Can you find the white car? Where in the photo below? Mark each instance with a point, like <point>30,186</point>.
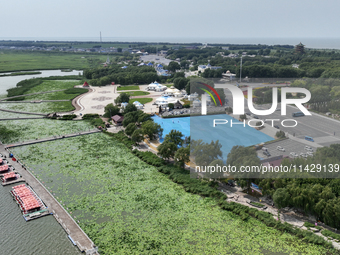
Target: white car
<point>279,148</point>
<point>308,148</point>
<point>309,153</point>
<point>293,154</point>
<point>303,155</point>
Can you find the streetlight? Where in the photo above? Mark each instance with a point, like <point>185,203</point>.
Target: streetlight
<point>241,69</point>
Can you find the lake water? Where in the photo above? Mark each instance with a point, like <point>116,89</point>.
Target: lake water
<point>40,236</point>
<point>8,82</point>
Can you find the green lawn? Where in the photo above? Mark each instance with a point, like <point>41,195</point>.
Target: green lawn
<point>136,93</point>
<point>24,61</point>
<point>141,100</point>
<point>129,87</point>
<point>49,85</point>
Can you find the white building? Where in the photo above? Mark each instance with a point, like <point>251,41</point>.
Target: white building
<point>229,75</point>
<point>155,86</point>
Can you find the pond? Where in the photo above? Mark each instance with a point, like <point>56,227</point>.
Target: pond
<point>8,82</point>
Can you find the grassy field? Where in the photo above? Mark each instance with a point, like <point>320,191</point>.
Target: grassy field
<point>128,87</point>
<point>141,100</point>
<point>47,85</point>
<point>136,93</point>
<point>25,61</point>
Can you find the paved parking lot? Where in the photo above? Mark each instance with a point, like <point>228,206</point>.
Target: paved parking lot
<point>324,130</point>
<point>156,59</point>
<point>288,144</point>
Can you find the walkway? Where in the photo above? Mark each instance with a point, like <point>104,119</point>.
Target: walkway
<point>27,118</point>
<point>31,113</point>
<point>79,237</point>
<point>4,99</point>
<point>52,138</point>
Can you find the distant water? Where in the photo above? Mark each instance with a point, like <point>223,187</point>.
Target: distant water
<point>317,43</point>
<point>8,82</point>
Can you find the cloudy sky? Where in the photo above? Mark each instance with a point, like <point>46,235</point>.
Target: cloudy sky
<point>170,18</point>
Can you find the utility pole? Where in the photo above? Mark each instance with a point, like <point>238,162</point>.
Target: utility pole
<point>100,36</point>
<point>241,69</point>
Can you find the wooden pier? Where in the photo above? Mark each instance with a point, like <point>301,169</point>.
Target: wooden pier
<point>52,138</point>
<point>74,232</point>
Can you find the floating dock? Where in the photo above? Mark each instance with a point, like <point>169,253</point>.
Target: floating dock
<point>52,206</point>
<point>32,207</point>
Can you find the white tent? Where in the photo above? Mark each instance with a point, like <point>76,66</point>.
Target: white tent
<point>155,86</point>
<point>171,91</point>
<point>178,94</point>
<point>138,105</point>
<point>165,100</point>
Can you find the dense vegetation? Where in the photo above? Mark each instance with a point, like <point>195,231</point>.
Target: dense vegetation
<point>115,73</point>
<point>315,196</point>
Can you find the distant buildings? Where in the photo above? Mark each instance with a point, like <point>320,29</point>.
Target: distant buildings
<point>229,75</point>
<point>202,68</point>
<point>300,48</point>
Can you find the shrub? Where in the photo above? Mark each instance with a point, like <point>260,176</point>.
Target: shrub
<point>75,91</point>
<point>90,116</point>
<point>330,234</point>
<point>68,117</point>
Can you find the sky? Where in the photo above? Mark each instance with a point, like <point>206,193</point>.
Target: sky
<point>170,19</point>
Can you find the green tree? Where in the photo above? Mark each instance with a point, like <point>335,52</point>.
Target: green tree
<point>110,110</point>
<point>243,116</point>
<point>180,83</point>
<point>173,66</point>
<point>130,108</point>
<point>142,117</point>
<point>137,136</point>
<point>151,129</point>
<point>175,137</point>
<point>181,156</point>
<point>279,134</point>
<point>205,153</point>
<point>281,198</point>
<point>171,106</point>
<point>130,129</point>
<point>122,98</point>
<point>167,150</point>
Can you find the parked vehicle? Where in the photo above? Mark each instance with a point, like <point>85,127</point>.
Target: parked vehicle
<point>293,154</point>
<point>308,148</point>
<point>266,153</point>
<point>279,148</point>
<point>298,114</point>
<point>276,126</point>
<point>308,138</point>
